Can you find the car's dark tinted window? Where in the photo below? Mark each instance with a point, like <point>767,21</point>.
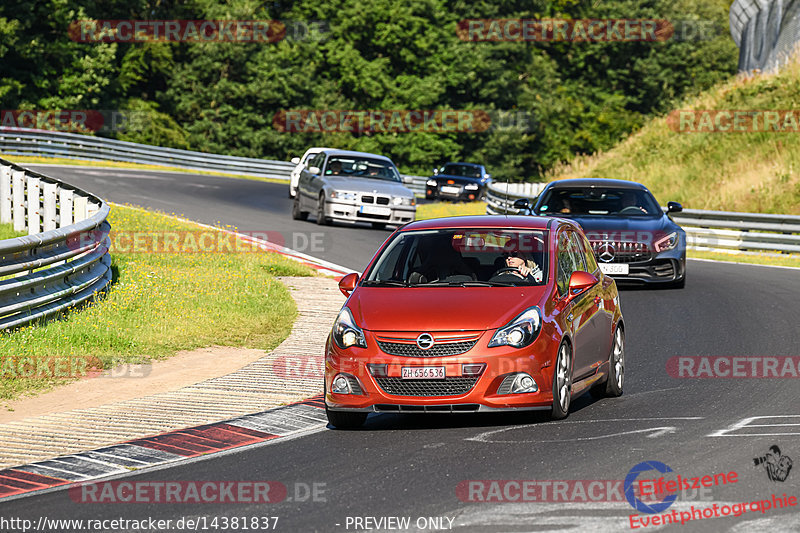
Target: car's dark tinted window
<point>316,161</point>
<point>468,171</point>
<point>428,257</point>
<point>578,252</point>
<point>598,201</point>
<point>591,262</point>
<point>571,258</point>
<point>362,167</point>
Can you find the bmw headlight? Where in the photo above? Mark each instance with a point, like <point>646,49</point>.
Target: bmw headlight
<point>345,331</point>
<point>521,331</point>
<point>346,196</point>
<point>666,243</point>
<point>403,201</point>
<point>431,183</point>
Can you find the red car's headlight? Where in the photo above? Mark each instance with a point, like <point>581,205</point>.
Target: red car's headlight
<point>345,331</point>
<point>521,331</point>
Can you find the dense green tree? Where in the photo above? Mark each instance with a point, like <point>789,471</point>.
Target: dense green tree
<point>549,100</point>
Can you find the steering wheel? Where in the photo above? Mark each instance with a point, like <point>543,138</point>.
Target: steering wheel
<point>506,270</point>
<point>632,209</point>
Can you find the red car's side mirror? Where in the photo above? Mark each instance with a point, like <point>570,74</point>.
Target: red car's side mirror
<point>580,281</point>
<point>348,283</point>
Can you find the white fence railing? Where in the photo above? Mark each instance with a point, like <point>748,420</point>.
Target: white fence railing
<point>705,230</point>
<point>20,141</point>
<point>63,260</point>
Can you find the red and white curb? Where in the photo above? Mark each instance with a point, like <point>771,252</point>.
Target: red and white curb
<point>165,448</point>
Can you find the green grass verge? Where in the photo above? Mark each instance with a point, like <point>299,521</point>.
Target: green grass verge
<point>7,232</point>
<point>449,209</point>
<point>159,304</point>
<point>787,260</point>
<point>750,172</point>
<point>22,159</point>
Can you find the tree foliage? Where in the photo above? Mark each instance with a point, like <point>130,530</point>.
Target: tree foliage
<point>575,97</point>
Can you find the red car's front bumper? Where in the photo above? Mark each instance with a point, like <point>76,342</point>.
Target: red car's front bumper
<point>382,389</point>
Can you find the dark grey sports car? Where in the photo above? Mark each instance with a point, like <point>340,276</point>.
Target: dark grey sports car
<point>632,238</point>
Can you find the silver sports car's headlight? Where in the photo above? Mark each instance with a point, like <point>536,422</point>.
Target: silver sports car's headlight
<point>521,331</point>
<point>345,331</point>
<point>666,243</point>
<point>398,200</point>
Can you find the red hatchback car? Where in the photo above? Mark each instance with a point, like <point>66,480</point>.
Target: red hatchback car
<point>471,314</point>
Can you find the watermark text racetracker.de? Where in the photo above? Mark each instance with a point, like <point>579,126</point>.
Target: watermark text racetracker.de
<point>733,367</point>
<point>74,120</point>
<point>197,31</point>
<point>70,367</point>
<point>401,121</point>
<point>192,492</point>
<point>564,490</point>
<point>207,241</point>
<point>588,30</point>
<point>734,121</point>
<point>106,525</point>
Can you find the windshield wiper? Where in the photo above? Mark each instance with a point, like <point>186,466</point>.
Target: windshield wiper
<point>384,283</point>
<point>466,284</point>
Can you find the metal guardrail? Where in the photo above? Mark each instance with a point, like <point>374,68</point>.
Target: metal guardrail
<point>705,230</point>
<point>21,141</point>
<point>63,260</point>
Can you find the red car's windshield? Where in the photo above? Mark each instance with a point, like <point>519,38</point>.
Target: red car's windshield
<point>457,257</point>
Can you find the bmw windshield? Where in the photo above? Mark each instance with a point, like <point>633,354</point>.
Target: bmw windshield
<point>362,167</point>
<point>462,257</point>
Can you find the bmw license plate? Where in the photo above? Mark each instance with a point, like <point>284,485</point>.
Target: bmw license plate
<point>615,269</point>
<point>422,372</point>
<point>451,190</point>
<point>373,210</point>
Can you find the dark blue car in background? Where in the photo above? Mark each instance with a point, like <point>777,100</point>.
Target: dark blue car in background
<point>633,239</point>
<point>458,182</point>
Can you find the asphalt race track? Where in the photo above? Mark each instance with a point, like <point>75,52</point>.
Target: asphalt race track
<point>417,466</point>
<point>251,206</point>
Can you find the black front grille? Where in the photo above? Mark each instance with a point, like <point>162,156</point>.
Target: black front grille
<point>623,252</point>
<point>454,386</point>
<point>370,215</point>
<point>382,200</point>
<point>368,199</point>
<point>437,350</point>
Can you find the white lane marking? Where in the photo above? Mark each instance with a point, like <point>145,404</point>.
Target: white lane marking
<point>484,437</point>
<point>745,423</point>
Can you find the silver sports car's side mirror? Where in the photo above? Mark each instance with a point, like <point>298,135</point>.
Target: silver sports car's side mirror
<point>295,160</point>
<point>314,170</point>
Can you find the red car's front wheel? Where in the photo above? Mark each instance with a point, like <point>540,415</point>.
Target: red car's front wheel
<point>562,383</point>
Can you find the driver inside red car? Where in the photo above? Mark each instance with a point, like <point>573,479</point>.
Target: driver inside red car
<point>520,264</point>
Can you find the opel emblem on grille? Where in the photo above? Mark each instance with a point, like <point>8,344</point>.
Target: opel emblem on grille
<point>425,341</point>
<point>606,252</point>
